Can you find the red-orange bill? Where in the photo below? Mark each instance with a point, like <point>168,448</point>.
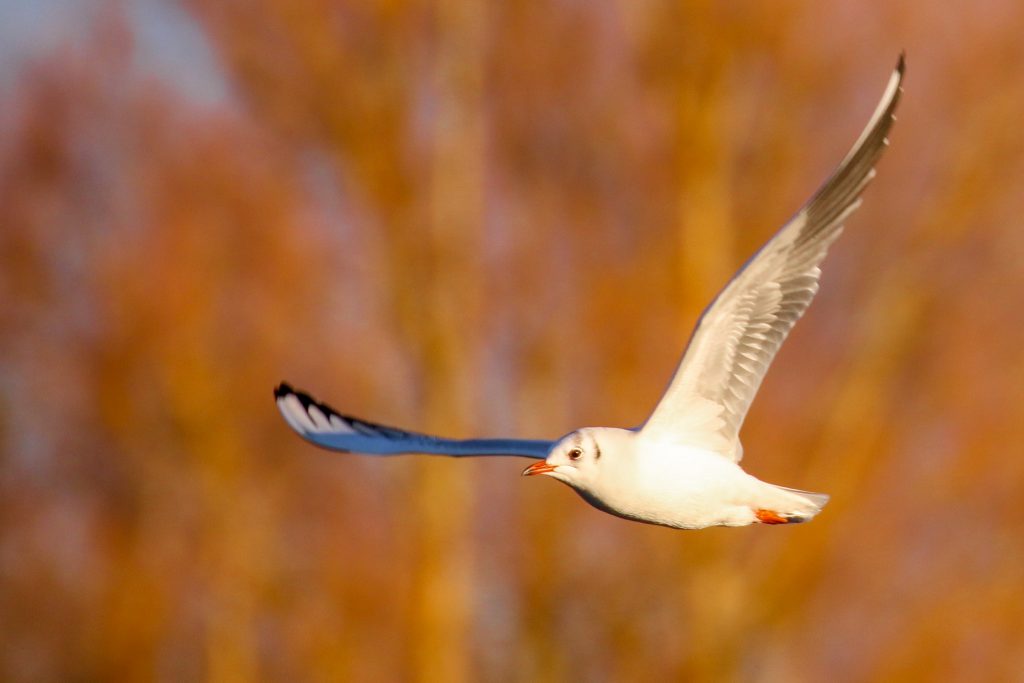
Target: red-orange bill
<point>538,468</point>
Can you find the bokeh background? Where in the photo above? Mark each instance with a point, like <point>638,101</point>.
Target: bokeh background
<point>489,218</point>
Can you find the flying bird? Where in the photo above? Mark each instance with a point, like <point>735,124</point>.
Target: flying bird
<point>681,467</point>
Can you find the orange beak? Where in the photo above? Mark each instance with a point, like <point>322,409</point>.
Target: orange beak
<point>538,468</point>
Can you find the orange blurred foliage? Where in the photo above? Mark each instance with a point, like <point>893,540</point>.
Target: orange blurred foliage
<point>503,218</point>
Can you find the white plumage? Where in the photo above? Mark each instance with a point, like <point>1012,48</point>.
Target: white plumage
<point>680,469</point>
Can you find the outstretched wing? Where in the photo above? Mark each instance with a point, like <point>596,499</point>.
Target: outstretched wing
<point>322,425</point>
<point>738,335</point>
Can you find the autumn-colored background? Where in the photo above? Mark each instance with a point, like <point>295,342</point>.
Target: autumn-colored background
<point>489,218</point>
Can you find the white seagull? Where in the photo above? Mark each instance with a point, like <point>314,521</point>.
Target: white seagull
<point>681,468</point>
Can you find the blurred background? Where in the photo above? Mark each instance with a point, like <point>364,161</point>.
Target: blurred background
<point>491,218</point>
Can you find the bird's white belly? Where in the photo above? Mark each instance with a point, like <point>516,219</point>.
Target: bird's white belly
<point>684,488</point>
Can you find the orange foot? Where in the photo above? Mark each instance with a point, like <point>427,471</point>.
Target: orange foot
<point>769,517</point>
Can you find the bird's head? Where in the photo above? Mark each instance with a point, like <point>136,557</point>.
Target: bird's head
<point>579,457</point>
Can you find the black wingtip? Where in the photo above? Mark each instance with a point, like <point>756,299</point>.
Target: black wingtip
<point>901,65</point>
<point>284,389</point>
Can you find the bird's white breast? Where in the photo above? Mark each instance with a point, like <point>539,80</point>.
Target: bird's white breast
<point>675,485</point>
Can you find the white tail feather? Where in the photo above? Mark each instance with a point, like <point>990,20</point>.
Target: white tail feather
<point>814,503</point>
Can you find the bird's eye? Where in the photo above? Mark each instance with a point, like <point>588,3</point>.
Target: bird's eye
<point>575,454</point>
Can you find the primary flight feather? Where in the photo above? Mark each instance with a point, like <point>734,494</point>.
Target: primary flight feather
<point>681,468</point>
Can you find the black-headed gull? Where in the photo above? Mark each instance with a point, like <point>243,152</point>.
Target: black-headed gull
<point>681,468</point>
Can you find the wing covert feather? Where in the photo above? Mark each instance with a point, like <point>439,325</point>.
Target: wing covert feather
<point>738,335</point>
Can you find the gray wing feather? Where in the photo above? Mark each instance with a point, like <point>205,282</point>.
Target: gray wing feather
<point>320,424</point>
<point>739,334</point>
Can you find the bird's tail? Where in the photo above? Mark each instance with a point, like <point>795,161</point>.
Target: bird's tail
<point>807,504</point>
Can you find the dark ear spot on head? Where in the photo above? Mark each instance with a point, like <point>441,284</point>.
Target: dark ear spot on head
<point>597,449</point>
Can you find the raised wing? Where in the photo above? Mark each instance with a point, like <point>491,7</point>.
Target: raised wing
<point>740,332</point>
<point>320,424</point>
